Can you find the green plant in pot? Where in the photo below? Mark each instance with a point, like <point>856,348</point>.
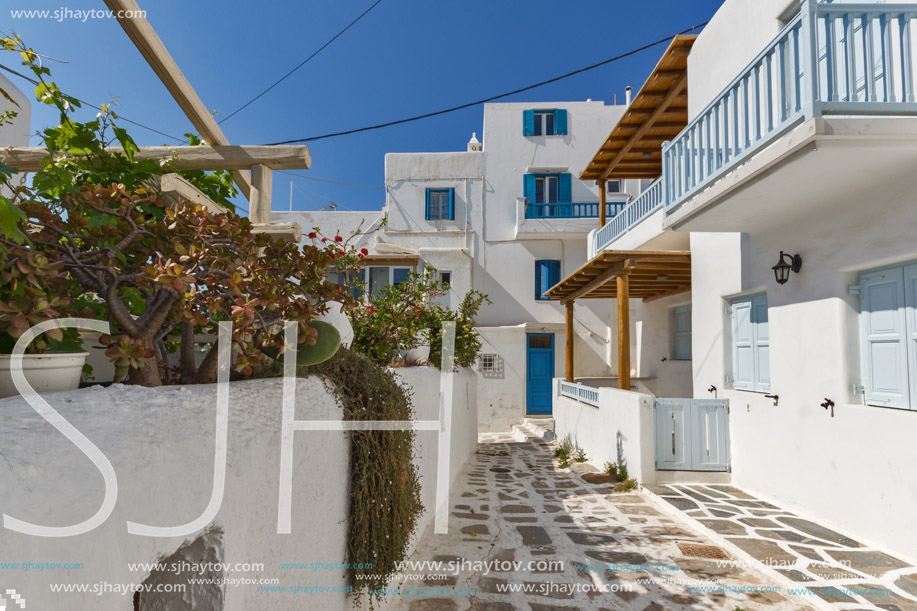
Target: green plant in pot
<point>33,290</point>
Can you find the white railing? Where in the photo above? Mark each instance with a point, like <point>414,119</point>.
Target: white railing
<point>586,394</point>
<point>830,59</point>
<point>635,211</point>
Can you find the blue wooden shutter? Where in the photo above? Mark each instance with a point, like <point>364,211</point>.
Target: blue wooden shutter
<point>762,343</point>
<point>553,273</point>
<point>709,430</point>
<point>560,122</point>
<point>564,188</point>
<point>681,325</point>
<point>528,122</point>
<point>427,206</point>
<point>883,326</point>
<point>743,353</point>
<point>528,187</point>
<point>451,215</point>
<point>673,447</point>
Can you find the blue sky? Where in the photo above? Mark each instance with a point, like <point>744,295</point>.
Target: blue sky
<point>406,57</point>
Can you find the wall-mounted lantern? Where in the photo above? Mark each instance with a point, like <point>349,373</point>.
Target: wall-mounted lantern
<point>787,264</point>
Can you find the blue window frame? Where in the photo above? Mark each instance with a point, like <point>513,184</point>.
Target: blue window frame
<point>751,344</point>
<point>548,188</point>
<point>440,205</point>
<point>548,122</point>
<point>681,333</point>
<point>547,274</point>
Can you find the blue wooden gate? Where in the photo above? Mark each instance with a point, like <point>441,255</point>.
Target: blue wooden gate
<point>539,373</point>
<point>692,434</point>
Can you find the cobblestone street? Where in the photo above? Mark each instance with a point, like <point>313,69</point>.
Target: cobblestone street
<point>512,505</point>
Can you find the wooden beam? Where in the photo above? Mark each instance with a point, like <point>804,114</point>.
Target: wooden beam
<point>568,339</point>
<point>602,187</point>
<point>288,232</point>
<point>173,189</point>
<point>30,159</point>
<point>595,283</point>
<point>675,291</point>
<point>144,37</point>
<point>623,297</point>
<point>259,210</point>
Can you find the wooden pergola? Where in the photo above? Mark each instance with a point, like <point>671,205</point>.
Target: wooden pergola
<point>657,113</point>
<point>620,275</point>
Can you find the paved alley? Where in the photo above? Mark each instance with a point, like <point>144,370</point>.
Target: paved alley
<point>562,543</point>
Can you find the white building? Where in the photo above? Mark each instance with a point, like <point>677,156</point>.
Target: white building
<point>507,217</point>
<point>801,140</point>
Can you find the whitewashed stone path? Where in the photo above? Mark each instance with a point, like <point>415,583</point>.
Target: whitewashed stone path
<point>511,504</point>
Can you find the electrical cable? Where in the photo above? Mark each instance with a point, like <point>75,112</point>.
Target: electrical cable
<point>492,98</point>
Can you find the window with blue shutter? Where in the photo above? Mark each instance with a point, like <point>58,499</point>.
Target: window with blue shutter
<point>886,309</point>
<point>547,274</point>
<point>681,333</point>
<point>551,122</point>
<point>750,344</point>
<point>528,187</point>
<point>440,205</point>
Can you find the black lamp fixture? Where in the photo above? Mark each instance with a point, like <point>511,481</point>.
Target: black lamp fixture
<point>783,268</point>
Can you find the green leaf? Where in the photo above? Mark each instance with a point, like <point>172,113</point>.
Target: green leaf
<point>10,217</point>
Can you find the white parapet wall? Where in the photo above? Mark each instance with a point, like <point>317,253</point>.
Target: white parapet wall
<point>160,442</point>
<point>619,430</point>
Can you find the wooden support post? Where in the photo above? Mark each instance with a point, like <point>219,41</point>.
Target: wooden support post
<point>259,210</point>
<point>602,205</point>
<point>623,291</point>
<point>568,335</point>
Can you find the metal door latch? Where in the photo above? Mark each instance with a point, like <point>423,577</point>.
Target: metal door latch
<point>776,398</point>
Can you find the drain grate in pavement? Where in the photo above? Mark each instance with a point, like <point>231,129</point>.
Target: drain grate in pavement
<point>702,551</point>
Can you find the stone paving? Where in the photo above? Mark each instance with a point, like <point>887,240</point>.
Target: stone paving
<point>835,567</point>
<point>617,551</point>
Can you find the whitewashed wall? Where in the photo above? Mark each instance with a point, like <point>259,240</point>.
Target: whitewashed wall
<point>619,430</point>
<point>160,442</point>
<point>796,452</point>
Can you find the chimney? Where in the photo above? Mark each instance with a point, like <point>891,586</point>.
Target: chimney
<point>474,145</point>
<point>627,92</point>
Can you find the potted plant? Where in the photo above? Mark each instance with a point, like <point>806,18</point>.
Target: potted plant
<point>33,290</point>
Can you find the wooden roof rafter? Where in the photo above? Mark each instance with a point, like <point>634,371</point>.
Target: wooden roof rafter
<point>657,113</point>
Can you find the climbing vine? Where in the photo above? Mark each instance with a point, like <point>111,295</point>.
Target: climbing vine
<point>385,490</point>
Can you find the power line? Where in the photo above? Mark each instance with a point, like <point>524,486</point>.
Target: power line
<point>492,98</point>
<point>333,182</point>
<point>301,64</point>
<point>85,103</point>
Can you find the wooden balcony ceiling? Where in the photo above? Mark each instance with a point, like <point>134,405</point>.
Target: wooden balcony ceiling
<point>657,113</point>
<point>390,260</point>
<point>652,275</point>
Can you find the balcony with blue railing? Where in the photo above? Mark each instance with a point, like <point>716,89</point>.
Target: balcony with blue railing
<point>630,216</point>
<point>831,60</point>
<point>589,210</point>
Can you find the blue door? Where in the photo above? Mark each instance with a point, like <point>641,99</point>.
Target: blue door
<point>539,373</point>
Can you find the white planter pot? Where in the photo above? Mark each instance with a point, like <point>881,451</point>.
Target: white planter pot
<point>47,372</point>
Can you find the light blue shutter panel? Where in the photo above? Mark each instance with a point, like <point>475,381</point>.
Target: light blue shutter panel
<point>528,187</point>
<point>427,207</point>
<point>673,447</point>
<point>743,353</point>
<point>451,215</point>
<point>910,301</point>
<point>560,122</point>
<point>564,188</point>
<point>883,325</point>
<point>528,122</point>
<point>681,323</point>
<point>762,343</point>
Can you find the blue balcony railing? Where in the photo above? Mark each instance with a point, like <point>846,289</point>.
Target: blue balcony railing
<point>571,211</point>
<point>830,59</point>
<point>635,211</point>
